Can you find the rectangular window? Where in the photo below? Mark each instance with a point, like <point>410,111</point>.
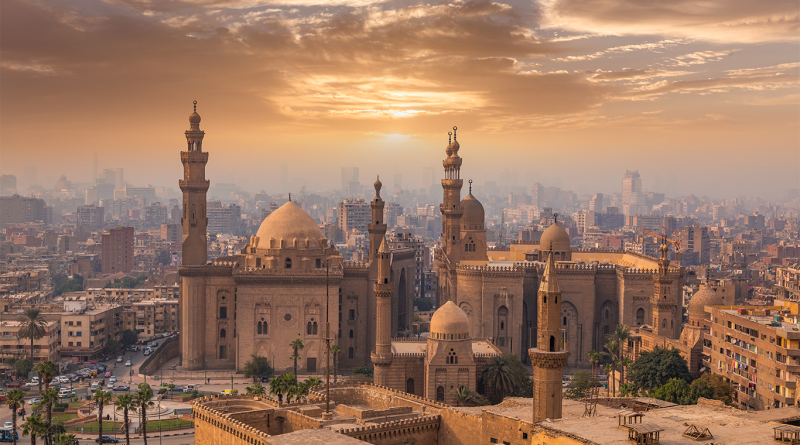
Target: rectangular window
<point>352,314</point>
<point>70,343</point>
<point>223,312</point>
<point>79,344</point>
<point>350,353</point>
<point>222,352</point>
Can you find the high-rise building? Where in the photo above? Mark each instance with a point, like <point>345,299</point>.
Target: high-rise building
<point>596,203</point>
<point>117,255</point>
<point>633,201</point>
<point>91,216</point>
<point>171,233</point>
<point>18,210</point>
<point>350,184</point>
<point>8,185</point>
<point>695,239</point>
<point>224,219</point>
<point>194,186</point>
<point>155,215</point>
<point>354,214</point>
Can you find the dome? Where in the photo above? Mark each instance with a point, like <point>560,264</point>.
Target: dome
<point>473,212</point>
<point>194,118</point>
<point>288,222</point>
<point>449,319</point>
<point>555,236</point>
<point>706,296</point>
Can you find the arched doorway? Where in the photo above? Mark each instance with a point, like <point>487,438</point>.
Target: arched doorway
<point>440,393</point>
<point>410,386</point>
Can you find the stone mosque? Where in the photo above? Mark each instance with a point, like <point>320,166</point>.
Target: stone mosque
<point>278,287</point>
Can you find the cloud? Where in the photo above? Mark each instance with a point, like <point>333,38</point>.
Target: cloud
<point>626,74</point>
<point>620,50</point>
<point>722,21</point>
<point>700,57</point>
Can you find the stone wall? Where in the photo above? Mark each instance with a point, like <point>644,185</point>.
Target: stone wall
<point>459,428</point>
<point>421,431</point>
<point>215,428</point>
<point>362,414</point>
<point>293,421</point>
<point>376,397</point>
<point>170,349</point>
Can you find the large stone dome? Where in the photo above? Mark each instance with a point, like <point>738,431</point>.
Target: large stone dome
<point>288,222</point>
<point>555,238</point>
<point>449,322</point>
<point>474,216</point>
<point>706,296</point>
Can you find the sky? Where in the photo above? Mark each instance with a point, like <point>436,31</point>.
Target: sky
<point>705,94</point>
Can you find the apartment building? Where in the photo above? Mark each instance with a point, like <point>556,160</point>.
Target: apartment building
<point>13,348</point>
<point>86,328</point>
<point>117,253</point>
<point>756,349</point>
<point>354,214</point>
<point>125,294</point>
<point>787,282</point>
<point>151,317</point>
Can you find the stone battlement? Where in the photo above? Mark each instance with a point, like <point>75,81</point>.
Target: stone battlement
<point>356,265</point>
<point>393,428</point>
<point>318,391</point>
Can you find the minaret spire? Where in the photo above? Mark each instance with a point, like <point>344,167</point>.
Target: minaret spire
<point>194,186</point>
<point>376,227</point>
<point>384,289</point>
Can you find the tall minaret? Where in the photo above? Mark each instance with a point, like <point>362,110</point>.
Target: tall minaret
<point>662,302</point>
<point>376,227</point>
<point>384,289</point>
<point>194,186</point>
<point>451,202</point>
<point>550,355</point>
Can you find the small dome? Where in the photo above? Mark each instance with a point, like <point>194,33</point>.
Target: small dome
<point>473,213</point>
<point>449,319</point>
<point>378,185</point>
<point>706,296</point>
<point>194,118</point>
<point>556,235</point>
<point>288,222</point>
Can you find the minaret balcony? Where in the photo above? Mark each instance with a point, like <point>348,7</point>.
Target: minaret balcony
<point>382,359</point>
<point>193,185</point>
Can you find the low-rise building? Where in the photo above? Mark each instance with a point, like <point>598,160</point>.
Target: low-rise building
<point>13,348</point>
<point>86,328</point>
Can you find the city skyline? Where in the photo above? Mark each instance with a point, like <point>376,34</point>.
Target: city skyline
<point>580,91</point>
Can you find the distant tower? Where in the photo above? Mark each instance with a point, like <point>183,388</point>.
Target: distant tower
<point>194,187</point>
<point>94,169</point>
<point>376,227</point>
<point>384,289</point>
<point>662,302</point>
<point>451,202</point>
<point>549,356</point>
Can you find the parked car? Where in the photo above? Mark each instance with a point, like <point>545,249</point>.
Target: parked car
<point>8,425</point>
<point>94,386</point>
<point>76,378</point>
<point>154,345</point>
<point>189,388</point>
<point>107,374</point>
<point>122,388</point>
<point>128,363</point>
<point>147,352</point>
<point>120,359</point>
<point>107,439</point>
<point>91,362</point>
<point>34,401</point>
<point>135,349</point>
<point>32,385</point>
<point>176,389</point>
<point>63,379</point>
<point>13,385</point>
<point>112,379</point>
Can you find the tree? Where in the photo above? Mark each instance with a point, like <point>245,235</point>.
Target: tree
<point>467,397</point>
<point>607,367</point>
<point>621,335</point>
<point>257,390</point>
<point>502,375</point>
<point>63,285</point>
<point>312,382</point>
<point>256,367</point>
<point>23,367</point>
<point>423,304</point>
<point>129,337</point>
<point>66,439</point>
<point>594,357</point>
<point>15,398</point>
<point>112,345</point>
<point>625,364</point>
<point>143,402</point>
<point>676,391</point>
<point>49,397</point>
<point>46,370</point>
<point>289,382</point>
<point>655,368</point>
<point>101,398</point>
<point>33,325</point>
<point>362,370</point>
<point>335,350</point>
<point>612,346</point>
<point>580,385</point>
<point>296,345</point>
<point>35,427</point>
<point>127,405</point>
<point>713,386</point>
<point>277,387</point>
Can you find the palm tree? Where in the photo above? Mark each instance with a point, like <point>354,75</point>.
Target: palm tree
<point>612,346</point>
<point>622,334</point>
<point>499,374</point>
<point>49,397</point>
<point>594,357</point>
<point>608,382</point>
<point>290,386</point>
<point>297,345</point>
<point>14,398</point>
<point>101,398</point>
<point>66,439</point>
<point>277,387</point>
<point>32,325</point>
<point>127,405</point>
<point>462,395</point>
<point>46,370</point>
<point>143,402</point>
<point>312,382</point>
<point>34,426</point>
<point>257,390</point>
<point>335,350</point>
<point>625,363</point>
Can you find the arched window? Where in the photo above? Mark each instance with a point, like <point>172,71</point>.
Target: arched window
<point>351,333</point>
<point>385,281</point>
<point>552,344</point>
<point>440,393</point>
<point>410,386</point>
<point>640,316</point>
<point>314,328</point>
<point>565,321</point>
<point>502,325</point>
<point>288,263</point>
<point>452,358</point>
<point>262,327</point>
<point>670,324</point>
<point>664,323</point>
<point>222,333</point>
<point>606,314</point>
<point>308,328</point>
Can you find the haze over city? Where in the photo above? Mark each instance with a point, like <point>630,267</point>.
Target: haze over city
<point>568,93</point>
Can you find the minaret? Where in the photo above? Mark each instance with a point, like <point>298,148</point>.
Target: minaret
<point>662,302</point>
<point>376,227</point>
<point>194,187</point>
<point>451,201</point>
<point>549,356</point>
<point>384,289</point>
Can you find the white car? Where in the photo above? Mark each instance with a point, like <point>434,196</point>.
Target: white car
<point>63,379</point>
<point>112,379</point>
<point>8,425</point>
<point>119,359</point>
<point>128,363</point>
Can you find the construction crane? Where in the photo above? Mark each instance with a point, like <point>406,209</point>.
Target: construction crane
<point>677,243</point>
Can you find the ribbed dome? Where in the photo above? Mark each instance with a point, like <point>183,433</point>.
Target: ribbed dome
<point>449,319</point>
<point>288,222</point>
<point>556,235</point>
<point>473,213</point>
<point>704,297</point>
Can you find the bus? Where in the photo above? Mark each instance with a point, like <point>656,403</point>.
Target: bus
<point>6,435</point>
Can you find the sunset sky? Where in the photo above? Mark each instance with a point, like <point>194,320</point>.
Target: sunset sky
<point>707,92</point>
